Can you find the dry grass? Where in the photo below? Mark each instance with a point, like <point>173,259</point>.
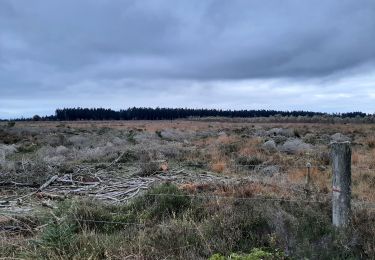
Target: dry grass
<point>250,147</point>
<point>370,142</point>
<point>320,180</point>
<point>203,146</point>
<point>184,227</point>
<point>371,163</point>
<point>297,175</point>
<point>219,166</point>
<point>215,145</point>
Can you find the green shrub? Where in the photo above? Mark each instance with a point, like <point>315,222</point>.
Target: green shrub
<point>371,143</point>
<point>158,133</point>
<point>59,236</point>
<point>249,162</point>
<point>179,238</point>
<point>27,148</point>
<point>90,215</point>
<point>167,223</point>
<point>228,149</point>
<point>128,156</point>
<point>238,227</point>
<point>103,130</point>
<point>62,241</point>
<point>147,166</point>
<point>217,257</point>
<point>160,202</point>
<point>296,133</point>
<point>130,136</point>
<point>11,124</point>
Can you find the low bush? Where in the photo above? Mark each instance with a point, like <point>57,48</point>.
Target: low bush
<point>7,137</point>
<point>296,133</point>
<point>58,237</point>
<point>27,148</point>
<point>229,149</point>
<point>128,156</point>
<point>161,202</point>
<point>371,143</point>
<point>165,222</point>
<point>11,124</point>
<point>249,162</point>
<point>147,164</point>
<point>158,133</point>
<point>130,136</point>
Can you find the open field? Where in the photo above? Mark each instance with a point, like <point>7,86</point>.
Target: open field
<point>180,190</point>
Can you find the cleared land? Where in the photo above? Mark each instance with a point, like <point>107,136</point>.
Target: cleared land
<point>180,190</point>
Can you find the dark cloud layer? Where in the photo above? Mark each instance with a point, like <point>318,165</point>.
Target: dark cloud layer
<point>49,47</point>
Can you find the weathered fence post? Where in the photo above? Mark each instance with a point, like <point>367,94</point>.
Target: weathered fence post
<point>307,188</point>
<point>341,183</point>
<point>308,174</point>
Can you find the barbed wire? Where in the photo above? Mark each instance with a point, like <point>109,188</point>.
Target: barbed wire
<point>165,225</point>
<point>255,198</point>
<point>105,165</point>
<point>144,225</point>
<point>135,164</point>
<point>231,197</point>
<point>229,163</point>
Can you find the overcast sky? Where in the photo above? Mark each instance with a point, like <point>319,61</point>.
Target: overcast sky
<point>249,54</point>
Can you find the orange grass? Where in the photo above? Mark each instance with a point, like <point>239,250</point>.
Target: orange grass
<point>245,190</point>
<point>363,158</point>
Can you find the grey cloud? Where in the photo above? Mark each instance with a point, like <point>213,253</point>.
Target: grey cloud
<point>50,47</point>
<point>217,39</point>
<point>72,34</point>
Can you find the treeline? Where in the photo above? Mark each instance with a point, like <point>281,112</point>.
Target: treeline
<point>176,113</point>
<point>73,114</point>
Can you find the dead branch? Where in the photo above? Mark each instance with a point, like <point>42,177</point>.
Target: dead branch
<point>47,183</point>
<point>50,196</point>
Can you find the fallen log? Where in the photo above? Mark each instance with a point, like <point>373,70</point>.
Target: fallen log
<point>79,182</point>
<point>49,182</point>
<point>117,160</point>
<point>45,195</point>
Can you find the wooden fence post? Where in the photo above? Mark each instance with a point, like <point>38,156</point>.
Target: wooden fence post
<point>341,183</point>
<point>308,175</point>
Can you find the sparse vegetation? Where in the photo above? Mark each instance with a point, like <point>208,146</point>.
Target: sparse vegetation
<point>183,216</point>
<point>167,222</point>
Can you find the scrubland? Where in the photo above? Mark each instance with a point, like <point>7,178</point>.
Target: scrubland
<point>181,190</point>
